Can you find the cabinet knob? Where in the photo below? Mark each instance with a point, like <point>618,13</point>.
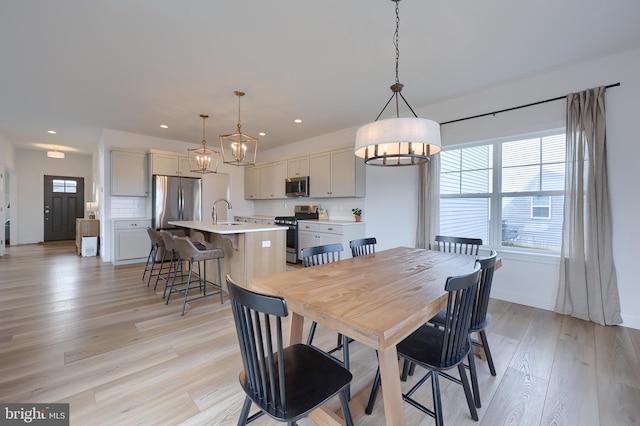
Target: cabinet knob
<point>330,229</point>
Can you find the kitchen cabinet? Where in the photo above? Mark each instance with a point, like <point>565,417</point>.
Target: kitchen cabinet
<point>129,173</point>
<point>86,228</point>
<point>265,181</point>
<point>252,183</point>
<point>131,242</point>
<point>319,233</point>
<point>337,173</point>
<point>171,164</point>
<point>298,167</point>
<point>272,177</point>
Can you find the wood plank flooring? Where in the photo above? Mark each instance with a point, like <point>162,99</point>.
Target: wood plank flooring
<point>80,331</point>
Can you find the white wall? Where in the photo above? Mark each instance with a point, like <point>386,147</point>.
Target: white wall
<point>390,204</point>
<point>31,167</point>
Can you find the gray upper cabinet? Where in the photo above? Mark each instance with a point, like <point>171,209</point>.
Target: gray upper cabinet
<point>129,176</point>
<point>337,173</point>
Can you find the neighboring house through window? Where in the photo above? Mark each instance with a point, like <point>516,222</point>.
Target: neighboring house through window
<point>508,192</point>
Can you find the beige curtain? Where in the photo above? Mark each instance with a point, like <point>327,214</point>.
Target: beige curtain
<point>588,287</point>
<point>428,202</point>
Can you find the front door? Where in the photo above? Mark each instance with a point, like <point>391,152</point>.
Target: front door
<point>63,203</point>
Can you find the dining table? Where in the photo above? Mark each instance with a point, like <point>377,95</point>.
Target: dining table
<point>377,299</point>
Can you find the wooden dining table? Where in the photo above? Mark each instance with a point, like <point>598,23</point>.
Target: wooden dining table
<point>376,299</point>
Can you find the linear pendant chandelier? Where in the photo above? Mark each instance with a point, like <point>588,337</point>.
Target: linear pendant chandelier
<point>398,141</point>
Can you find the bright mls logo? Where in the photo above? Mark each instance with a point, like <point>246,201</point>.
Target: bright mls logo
<point>34,414</point>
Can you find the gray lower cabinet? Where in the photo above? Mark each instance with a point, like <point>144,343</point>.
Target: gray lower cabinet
<point>315,233</point>
<point>131,242</point>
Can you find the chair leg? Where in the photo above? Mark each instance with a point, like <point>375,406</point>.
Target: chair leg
<point>244,414</point>
<point>474,379</point>
<point>160,271</point>
<point>406,369</point>
<point>374,393</point>
<point>146,266</point>
<point>437,402</point>
<point>186,290</point>
<point>312,332</point>
<point>172,264</point>
<point>220,282</point>
<point>467,391</point>
<point>487,351</point>
<point>344,403</point>
<point>345,361</point>
<point>153,264</point>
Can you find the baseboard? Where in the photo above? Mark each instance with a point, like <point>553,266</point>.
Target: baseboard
<point>534,302</point>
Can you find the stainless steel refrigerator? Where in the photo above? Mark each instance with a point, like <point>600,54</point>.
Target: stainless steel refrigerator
<point>176,198</point>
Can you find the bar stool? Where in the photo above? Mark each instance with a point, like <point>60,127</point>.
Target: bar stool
<point>175,261</point>
<point>190,253</point>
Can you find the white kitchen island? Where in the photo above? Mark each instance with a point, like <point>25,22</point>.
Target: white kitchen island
<point>250,249</point>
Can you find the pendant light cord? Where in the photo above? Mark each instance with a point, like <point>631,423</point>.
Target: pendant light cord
<point>396,39</point>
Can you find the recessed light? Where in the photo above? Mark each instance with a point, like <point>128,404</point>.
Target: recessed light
<point>297,120</point>
<point>262,134</point>
<point>164,126</point>
<point>51,132</point>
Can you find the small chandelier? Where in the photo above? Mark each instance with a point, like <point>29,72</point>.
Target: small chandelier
<point>398,141</point>
<point>241,149</point>
<point>55,153</point>
<point>203,160</point>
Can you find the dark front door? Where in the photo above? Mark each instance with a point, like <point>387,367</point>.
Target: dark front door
<point>63,203</point>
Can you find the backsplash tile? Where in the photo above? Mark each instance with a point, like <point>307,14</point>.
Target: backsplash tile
<point>126,207</point>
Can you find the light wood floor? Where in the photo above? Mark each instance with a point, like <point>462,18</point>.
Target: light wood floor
<point>79,331</point>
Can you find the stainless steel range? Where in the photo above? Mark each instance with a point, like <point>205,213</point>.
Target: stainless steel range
<point>302,212</point>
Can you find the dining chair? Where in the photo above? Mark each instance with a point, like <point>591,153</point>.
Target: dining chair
<point>460,245</point>
<point>480,318</point>
<point>441,349</point>
<point>190,253</point>
<point>363,246</point>
<point>319,255</point>
<point>285,383</point>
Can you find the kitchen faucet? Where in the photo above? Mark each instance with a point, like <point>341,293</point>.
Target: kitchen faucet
<point>214,213</point>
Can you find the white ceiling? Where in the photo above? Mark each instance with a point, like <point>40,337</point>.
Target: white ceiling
<point>79,66</point>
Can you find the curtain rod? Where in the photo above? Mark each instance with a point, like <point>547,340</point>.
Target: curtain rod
<point>518,107</point>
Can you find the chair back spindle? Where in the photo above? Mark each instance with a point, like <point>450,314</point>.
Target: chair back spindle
<point>458,244</point>
<point>363,246</point>
<point>319,255</point>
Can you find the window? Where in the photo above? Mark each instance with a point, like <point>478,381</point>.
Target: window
<point>68,186</point>
<point>540,207</point>
<point>510,193</point>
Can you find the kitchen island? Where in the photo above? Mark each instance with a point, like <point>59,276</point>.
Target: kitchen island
<point>250,249</point>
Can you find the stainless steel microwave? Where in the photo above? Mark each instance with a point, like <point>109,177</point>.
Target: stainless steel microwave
<point>297,187</point>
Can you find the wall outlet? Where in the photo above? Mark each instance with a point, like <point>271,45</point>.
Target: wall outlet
<point>266,244</point>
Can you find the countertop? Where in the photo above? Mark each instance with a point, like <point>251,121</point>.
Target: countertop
<point>331,222</point>
<point>226,227</point>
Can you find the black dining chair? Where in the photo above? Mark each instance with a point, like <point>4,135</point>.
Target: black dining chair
<point>480,318</point>
<point>320,255</point>
<point>441,349</point>
<point>460,245</point>
<point>285,383</point>
<point>363,246</point>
